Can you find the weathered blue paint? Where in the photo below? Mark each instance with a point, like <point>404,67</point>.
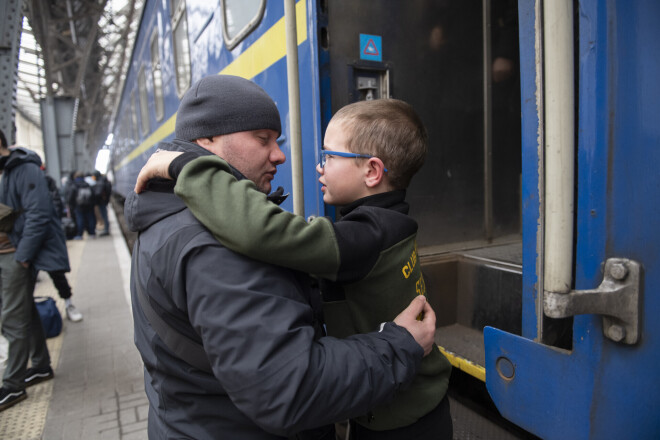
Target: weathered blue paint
<point>530,161</point>
<point>600,389</point>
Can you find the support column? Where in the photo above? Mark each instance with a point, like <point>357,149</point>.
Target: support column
<point>63,148</point>
<point>11,17</point>
<point>51,140</point>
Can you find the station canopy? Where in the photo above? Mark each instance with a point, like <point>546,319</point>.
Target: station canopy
<point>77,49</point>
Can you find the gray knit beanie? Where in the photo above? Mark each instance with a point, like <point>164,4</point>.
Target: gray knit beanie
<point>223,104</point>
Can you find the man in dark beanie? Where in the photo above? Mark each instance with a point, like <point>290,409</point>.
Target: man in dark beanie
<point>234,348</point>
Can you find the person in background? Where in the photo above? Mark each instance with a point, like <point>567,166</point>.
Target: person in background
<point>81,199</point>
<point>234,347</point>
<point>102,192</point>
<point>35,242</point>
<point>67,188</point>
<point>58,276</point>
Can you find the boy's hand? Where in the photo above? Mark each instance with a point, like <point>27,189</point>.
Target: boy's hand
<point>156,167</point>
<point>424,330</point>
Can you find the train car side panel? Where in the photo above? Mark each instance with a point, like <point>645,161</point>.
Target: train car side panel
<point>260,56</point>
<point>598,388</point>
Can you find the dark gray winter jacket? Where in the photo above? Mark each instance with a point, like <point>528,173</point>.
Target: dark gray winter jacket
<point>37,234</point>
<point>274,374</point>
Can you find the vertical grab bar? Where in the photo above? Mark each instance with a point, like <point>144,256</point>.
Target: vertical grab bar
<point>559,144</point>
<point>293,84</point>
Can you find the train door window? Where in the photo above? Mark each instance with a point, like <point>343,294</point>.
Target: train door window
<point>144,109</point>
<point>157,77</point>
<point>502,112</point>
<point>239,18</point>
<point>181,47</point>
<point>119,139</point>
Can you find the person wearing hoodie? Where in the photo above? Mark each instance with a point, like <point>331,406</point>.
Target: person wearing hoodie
<point>234,347</point>
<point>35,242</point>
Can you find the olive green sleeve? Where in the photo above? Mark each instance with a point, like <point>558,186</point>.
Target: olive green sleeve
<point>244,220</point>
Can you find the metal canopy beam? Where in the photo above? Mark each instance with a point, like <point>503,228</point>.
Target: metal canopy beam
<point>10,23</point>
<point>78,57</point>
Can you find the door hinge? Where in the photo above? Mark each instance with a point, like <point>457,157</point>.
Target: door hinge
<point>617,299</point>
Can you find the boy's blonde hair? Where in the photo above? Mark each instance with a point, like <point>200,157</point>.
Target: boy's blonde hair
<point>390,130</point>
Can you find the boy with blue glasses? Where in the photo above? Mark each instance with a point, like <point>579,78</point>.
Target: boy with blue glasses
<point>367,262</point>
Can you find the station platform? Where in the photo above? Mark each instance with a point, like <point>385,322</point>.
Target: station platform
<point>98,388</point>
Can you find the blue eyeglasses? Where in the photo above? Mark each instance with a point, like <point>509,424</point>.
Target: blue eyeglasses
<point>325,153</point>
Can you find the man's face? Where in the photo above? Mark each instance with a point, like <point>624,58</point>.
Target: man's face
<point>254,153</point>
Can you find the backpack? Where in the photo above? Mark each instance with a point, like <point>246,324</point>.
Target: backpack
<point>85,196</point>
<point>50,316</point>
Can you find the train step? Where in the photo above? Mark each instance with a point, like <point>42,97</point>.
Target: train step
<point>470,289</point>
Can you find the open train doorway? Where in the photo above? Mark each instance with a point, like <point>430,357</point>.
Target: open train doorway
<point>457,64</point>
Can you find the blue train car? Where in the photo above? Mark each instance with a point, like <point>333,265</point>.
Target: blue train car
<point>180,42</point>
<point>537,237</point>
<point>600,383</point>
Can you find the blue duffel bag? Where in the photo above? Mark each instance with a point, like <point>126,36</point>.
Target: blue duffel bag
<point>50,316</point>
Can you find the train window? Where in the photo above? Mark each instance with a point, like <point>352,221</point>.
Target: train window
<point>239,18</point>
<point>157,77</point>
<point>144,109</point>
<point>181,47</point>
<point>133,129</point>
<point>127,139</point>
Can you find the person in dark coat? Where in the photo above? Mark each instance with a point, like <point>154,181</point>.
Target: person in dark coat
<point>253,361</point>
<point>81,200</point>
<point>58,276</point>
<point>35,242</point>
<point>102,192</point>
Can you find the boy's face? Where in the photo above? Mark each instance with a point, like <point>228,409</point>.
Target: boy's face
<point>342,177</point>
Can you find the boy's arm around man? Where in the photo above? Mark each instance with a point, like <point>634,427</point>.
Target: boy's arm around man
<point>242,218</point>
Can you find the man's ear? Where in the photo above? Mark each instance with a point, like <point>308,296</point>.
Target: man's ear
<point>375,172</point>
<point>204,142</point>
<point>211,144</point>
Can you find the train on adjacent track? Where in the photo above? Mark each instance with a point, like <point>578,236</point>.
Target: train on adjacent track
<point>535,204</point>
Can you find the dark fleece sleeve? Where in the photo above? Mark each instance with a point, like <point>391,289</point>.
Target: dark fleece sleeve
<point>363,235</point>
<point>177,164</point>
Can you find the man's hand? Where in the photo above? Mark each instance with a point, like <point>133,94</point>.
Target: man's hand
<point>157,166</point>
<point>423,331</point>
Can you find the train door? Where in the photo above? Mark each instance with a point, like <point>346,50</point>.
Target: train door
<point>456,63</point>
<point>590,370</point>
